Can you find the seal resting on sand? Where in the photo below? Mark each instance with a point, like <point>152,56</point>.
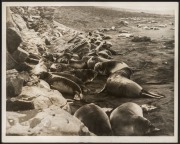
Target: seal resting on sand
<point>128,120</point>
<point>109,67</point>
<point>95,119</point>
<point>119,84</point>
<point>63,85</point>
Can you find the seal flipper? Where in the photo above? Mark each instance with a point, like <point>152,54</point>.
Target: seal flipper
<point>145,93</point>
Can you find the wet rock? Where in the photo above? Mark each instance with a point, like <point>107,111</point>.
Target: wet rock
<point>13,39</point>
<point>52,121</point>
<point>14,83</point>
<point>20,55</point>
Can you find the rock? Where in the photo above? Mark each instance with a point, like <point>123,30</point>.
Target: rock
<point>9,21</point>
<point>20,55</point>
<point>25,76</point>
<point>141,39</point>
<point>13,39</point>
<point>17,105</point>
<point>24,67</point>
<point>40,67</point>
<point>10,62</point>
<point>14,124</point>
<point>52,121</point>
<point>42,97</point>
<point>19,21</point>
<point>32,42</point>
<point>14,83</point>
<point>43,84</point>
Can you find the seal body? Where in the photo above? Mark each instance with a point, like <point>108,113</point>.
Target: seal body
<point>123,87</point>
<point>95,119</point>
<point>119,84</point>
<point>128,120</point>
<point>109,67</point>
<point>72,78</point>
<point>63,85</point>
<point>86,75</point>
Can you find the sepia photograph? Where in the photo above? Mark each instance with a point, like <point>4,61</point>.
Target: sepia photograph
<point>90,72</point>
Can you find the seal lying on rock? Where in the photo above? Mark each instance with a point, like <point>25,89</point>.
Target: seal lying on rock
<point>63,85</point>
<point>109,67</point>
<point>128,120</point>
<point>73,78</point>
<point>119,84</point>
<point>95,119</point>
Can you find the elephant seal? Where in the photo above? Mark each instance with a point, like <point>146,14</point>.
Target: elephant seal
<point>73,78</point>
<point>128,120</point>
<point>95,59</point>
<point>109,67</point>
<point>119,84</point>
<point>104,54</point>
<point>86,75</point>
<point>95,119</point>
<point>63,85</point>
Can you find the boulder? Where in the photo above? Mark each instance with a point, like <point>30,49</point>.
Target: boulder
<point>24,67</point>
<point>14,83</point>
<point>19,21</point>
<point>40,67</point>
<point>9,21</point>
<point>10,62</point>
<point>43,84</point>
<point>13,39</point>
<point>52,121</point>
<point>42,97</point>
<point>20,55</point>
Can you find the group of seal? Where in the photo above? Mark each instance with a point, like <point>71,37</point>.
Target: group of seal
<point>70,69</point>
<point>125,120</point>
<point>91,55</point>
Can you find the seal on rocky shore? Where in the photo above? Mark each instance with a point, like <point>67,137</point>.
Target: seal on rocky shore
<point>109,67</point>
<point>95,119</point>
<point>63,85</point>
<point>128,120</point>
<point>73,78</point>
<point>119,84</point>
<point>86,75</point>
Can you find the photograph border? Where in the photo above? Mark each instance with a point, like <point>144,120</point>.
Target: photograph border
<point>77,139</point>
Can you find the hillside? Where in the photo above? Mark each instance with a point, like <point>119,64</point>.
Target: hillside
<point>89,17</point>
